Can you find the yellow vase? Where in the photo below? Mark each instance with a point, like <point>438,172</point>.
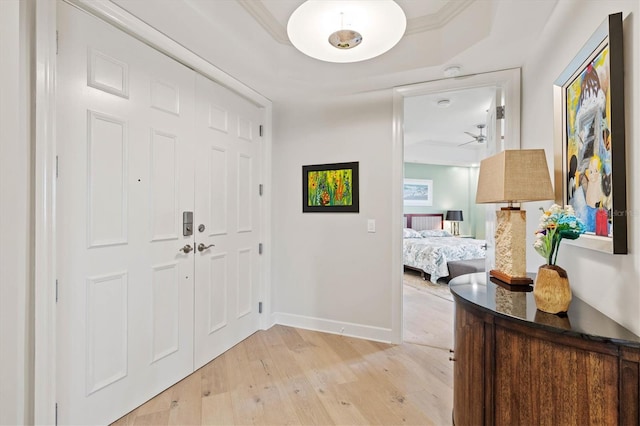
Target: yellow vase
<point>551,290</point>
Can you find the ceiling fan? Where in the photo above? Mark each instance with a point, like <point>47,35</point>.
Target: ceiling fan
<point>476,138</point>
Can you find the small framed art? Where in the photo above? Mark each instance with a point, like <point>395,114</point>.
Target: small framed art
<point>330,188</point>
<point>417,192</point>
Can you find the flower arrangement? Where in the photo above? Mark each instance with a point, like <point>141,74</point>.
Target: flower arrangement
<point>555,224</point>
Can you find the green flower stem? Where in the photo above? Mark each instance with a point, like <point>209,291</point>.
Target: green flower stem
<point>552,233</point>
<point>555,260</point>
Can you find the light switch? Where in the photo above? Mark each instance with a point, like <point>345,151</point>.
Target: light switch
<point>371,225</point>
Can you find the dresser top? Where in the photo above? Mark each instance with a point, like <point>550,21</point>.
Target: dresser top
<point>582,320</point>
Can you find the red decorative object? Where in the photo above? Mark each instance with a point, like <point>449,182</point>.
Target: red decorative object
<point>602,222</point>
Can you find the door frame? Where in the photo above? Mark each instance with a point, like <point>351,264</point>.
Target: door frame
<point>44,263</point>
<point>509,81</point>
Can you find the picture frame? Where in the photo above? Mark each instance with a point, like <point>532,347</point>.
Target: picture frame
<point>589,134</point>
<point>331,188</point>
<point>417,192</point>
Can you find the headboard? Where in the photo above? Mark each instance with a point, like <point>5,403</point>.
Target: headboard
<point>422,221</point>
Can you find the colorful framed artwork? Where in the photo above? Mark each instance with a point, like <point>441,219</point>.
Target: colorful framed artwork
<point>330,188</point>
<point>417,192</point>
<point>590,171</point>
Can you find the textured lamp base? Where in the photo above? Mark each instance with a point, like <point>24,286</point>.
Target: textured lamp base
<point>510,243</point>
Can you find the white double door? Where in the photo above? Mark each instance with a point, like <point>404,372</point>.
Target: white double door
<point>141,140</point>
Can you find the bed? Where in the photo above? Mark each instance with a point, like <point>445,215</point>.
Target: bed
<point>427,247</point>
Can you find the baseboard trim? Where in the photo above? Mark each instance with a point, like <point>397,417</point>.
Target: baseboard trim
<point>360,331</point>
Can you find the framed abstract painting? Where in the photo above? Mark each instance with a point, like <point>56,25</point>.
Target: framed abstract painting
<point>330,188</point>
<point>589,128</point>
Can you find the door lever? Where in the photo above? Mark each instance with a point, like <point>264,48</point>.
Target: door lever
<point>202,247</point>
<point>186,249</point>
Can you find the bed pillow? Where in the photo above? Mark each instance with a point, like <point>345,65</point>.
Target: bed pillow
<point>410,233</point>
<point>435,233</point>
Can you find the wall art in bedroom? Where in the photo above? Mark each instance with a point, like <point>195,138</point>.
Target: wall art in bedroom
<point>590,170</point>
<point>330,188</point>
<point>418,192</point>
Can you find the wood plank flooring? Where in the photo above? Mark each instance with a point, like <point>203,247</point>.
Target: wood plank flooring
<point>288,376</point>
<point>428,315</point>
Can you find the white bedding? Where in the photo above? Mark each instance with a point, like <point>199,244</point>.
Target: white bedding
<point>431,254</point>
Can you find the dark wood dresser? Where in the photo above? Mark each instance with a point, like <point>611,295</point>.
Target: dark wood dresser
<point>515,365</point>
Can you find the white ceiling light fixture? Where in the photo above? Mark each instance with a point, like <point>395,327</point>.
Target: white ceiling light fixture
<point>346,30</point>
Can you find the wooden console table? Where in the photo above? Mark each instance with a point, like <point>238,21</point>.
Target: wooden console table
<point>517,365</point>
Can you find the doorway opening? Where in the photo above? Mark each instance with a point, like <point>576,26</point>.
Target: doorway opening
<point>423,152</point>
<point>444,141</point>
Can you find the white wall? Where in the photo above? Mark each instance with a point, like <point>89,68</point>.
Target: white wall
<point>15,217</point>
<point>328,272</point>
<point>609,283</point>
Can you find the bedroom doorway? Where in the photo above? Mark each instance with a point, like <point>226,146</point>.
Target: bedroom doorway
<point>444,141</point>
<point>464,129</point>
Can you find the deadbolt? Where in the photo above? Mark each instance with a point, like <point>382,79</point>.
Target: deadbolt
<point>201,227</point>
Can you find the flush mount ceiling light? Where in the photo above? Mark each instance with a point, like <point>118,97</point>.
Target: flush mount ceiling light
<point>346,31</point>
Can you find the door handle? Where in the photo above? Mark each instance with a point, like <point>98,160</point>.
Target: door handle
<point>202,247</point>
<point>186,249</point>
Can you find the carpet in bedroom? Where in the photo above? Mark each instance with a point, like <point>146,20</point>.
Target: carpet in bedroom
<point>413,279</point>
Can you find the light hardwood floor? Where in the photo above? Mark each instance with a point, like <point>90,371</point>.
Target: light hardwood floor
<point>288,376</point>
<point>428,315</point>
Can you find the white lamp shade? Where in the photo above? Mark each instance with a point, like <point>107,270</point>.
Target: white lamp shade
<point>381,23</point>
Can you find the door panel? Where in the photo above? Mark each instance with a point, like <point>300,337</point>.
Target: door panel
<point>125,308</point>
<point>165,291</point>
<point>216,289</point>
<point>227,204</point>
<point>218,184</point>
<point>107,179</point>
<point>245,282</point>
<point>245,195</point>
<point>164,213</point>
<point>106,357</point>
<point>132,140</point>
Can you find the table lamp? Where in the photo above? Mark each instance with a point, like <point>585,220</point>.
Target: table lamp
<point>454,216</point>
<point>513,176</point>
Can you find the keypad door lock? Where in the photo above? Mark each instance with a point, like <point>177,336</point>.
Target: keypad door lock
<point>187,223</point>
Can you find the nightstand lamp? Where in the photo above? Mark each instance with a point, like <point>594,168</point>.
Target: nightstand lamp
<point>513,176</point>
<point>454,216</point>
